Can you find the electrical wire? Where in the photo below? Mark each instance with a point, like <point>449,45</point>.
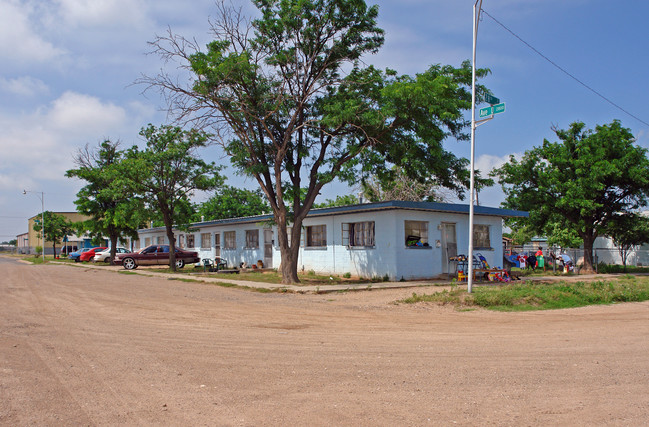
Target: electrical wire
<point>563,70</point>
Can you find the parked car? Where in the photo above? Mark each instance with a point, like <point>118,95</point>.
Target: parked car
<point>87,256</point>
<point>104,256</point>
<point>156,255</point>
<point>76,254</point>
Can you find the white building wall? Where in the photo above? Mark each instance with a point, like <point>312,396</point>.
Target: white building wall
<point>390,255</point>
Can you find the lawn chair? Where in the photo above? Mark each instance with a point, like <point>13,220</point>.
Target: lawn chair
<point>220,263</point>
<point>482,261</point>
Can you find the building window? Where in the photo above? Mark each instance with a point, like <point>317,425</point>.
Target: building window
<point>229,240</point>
<point>147,241</point>
<point>206,241</point>
<point>160,240</point>
<point>416,233</point>
<point>181,241</point>
<point>316,235</point>
<point>289,230</point>
<point>481,238</point>
<point>358,234</point>
<point>190,241</point>
<point>252,239</point>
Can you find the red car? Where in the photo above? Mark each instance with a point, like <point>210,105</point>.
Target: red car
<point>156,255</point>
<point>87,255</point>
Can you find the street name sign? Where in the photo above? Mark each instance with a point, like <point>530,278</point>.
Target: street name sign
<point>494,109</point>
<point>491,99</point>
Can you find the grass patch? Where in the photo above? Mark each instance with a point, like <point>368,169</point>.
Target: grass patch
<point>182,279</point>
<point>528,296</point>
<point>309,278</point>
<point>614,268</point>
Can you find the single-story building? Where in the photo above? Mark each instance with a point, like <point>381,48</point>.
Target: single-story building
<point>400,239</point>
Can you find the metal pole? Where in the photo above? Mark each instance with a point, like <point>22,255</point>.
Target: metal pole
<point>43,223</point>
<point>476,17</point>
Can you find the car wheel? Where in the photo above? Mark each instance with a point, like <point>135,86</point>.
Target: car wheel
<point>107,260</point>
<point>129,264</point>
<point>76,260</point>
<point>180,263</point>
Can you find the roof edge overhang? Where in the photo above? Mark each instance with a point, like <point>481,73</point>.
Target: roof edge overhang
<point>369,207</point>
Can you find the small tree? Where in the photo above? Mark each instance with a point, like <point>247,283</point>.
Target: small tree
<point>56,228</point>
<point>628,232</point>
<point>232,202</point>
<point>345,200</point>
<point>167,173</point>
<point>106,198</point>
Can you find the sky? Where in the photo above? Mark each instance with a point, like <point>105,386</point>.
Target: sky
<point>67,69</point>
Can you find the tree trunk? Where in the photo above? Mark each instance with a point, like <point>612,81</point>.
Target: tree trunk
<point>53,248</point>
<point>113,248</point>
<point>289,253</point>
<point>589,241</point>
<point>172,247</point>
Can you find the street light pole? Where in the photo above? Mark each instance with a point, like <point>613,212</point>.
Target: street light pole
<point>42,197</point>
<point>477,7</point>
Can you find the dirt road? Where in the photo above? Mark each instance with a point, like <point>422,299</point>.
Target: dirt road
<point>93,347</point>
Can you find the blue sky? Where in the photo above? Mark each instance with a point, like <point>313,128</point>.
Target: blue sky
<point>68,66</point>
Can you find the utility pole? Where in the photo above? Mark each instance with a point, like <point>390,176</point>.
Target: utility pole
<point>477,7</point>
<point>42,197</point>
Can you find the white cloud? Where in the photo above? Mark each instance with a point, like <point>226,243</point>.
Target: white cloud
<point>486,162</point>
<point>23,86</point>
<point>42,144</point>
<point>20,43</point>
<point>81,114</point>
<point>104,13</point>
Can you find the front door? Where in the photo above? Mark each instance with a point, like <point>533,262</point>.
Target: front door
<point>449,245</point>
<point>217,245</point>
<point>268,248</point>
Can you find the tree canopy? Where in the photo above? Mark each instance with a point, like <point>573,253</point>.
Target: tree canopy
<point>289,98</point>
<point>579,185</point>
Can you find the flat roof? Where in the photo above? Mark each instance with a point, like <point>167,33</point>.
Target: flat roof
<point>373,207</point>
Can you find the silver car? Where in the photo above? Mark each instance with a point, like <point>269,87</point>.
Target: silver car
<point>104,256</point>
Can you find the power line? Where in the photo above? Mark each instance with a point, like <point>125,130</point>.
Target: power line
<point>563,70</point>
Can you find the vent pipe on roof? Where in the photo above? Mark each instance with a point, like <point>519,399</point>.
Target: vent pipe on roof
<point>202,218</point>
<point>360,198</point>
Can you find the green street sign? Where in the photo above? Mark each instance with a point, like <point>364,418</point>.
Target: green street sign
<point>491,99</point>
<point>494,109</point>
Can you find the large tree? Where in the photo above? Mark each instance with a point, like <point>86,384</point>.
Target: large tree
<point>578,185</point>
<point>292,103</point>
<point>167,173</point>
<point>57,227</point>
<point>106,198</point>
